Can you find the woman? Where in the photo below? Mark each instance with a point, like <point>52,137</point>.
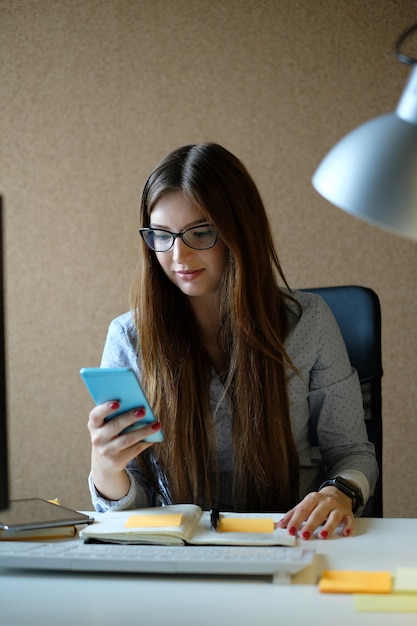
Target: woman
<point>251,382</point>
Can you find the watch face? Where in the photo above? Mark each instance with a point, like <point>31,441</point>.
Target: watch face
<point>352,490</point>
<point>339,481</point>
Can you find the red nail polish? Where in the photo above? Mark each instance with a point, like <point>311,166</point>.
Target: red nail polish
<point>324,534</point>
<point>140,412</point>
<point>347,532</point>
<point>114,405</point>
<point>292,530</point>
<point>305,534</point>
<point>156,426</point>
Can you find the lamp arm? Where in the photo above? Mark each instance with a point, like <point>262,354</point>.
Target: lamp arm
<point>404,58</point>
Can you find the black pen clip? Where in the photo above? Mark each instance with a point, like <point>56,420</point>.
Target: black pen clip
<point>214,518</point>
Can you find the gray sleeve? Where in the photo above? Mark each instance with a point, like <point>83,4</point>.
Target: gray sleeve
<point>136,497</point>
<point>120,348</point>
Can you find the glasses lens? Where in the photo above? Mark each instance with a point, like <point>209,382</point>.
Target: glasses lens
<point>201,237</point>
<point>158,240</point>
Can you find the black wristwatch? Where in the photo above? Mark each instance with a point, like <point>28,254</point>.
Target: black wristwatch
<point>350,490</point>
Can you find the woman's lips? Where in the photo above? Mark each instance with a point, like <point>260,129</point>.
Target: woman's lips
<point>188,275</point>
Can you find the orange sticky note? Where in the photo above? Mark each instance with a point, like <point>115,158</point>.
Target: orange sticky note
<point>352,581</point>
<point>154,521</point>
<point>246,525</point>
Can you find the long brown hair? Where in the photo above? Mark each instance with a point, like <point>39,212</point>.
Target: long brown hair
<point>175,369</point>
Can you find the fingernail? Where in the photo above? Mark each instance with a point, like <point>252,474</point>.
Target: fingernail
<point>347,531</point>
<point>114,405</point>
<point>292,530</point>
<point>140,412</point>
<point>324,534</point>
<point>305,534</point>
<point>156,426</point>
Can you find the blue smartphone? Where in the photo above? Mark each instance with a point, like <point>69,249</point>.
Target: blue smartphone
<point>121,384</point>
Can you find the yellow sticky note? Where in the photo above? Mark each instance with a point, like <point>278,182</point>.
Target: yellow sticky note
<point>392,602</point>
<point>351,581</point>
<point>246,525</point>
<point>154,521</point>
<point>406,580</point>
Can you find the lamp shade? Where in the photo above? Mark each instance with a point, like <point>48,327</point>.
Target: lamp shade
<point>372,172</point>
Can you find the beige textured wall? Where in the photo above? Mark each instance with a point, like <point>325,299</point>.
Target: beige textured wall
<point>93,93</point>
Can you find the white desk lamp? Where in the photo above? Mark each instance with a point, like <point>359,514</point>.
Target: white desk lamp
<point>372,171</point>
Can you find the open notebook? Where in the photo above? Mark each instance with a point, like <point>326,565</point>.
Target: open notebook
<point>186,523</point>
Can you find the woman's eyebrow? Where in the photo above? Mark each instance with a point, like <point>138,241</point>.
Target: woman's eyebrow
<point>190,225</point>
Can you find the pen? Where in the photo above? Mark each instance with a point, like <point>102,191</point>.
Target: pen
<point>214,518</point>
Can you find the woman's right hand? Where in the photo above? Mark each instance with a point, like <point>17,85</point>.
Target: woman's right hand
<point>112,451</point>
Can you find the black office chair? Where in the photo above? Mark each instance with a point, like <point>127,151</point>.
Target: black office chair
<point>358,313</point>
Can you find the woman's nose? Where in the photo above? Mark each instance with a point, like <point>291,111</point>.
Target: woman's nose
<point>180,250</point>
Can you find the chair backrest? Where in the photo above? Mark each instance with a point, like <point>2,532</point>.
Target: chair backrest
<point>358,313</point>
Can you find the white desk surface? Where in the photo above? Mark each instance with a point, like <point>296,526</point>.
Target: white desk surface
<point>69,599</point>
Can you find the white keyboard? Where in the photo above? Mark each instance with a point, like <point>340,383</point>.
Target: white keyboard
<point>279,562</point>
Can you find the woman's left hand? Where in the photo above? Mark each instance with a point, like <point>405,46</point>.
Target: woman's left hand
<point>328,508</point>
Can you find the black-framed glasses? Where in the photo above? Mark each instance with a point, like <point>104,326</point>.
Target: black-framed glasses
<point>201,237</point>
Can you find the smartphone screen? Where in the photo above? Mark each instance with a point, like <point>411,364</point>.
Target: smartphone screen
<point>121,384</point>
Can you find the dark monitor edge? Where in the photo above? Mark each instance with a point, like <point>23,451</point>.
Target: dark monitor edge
<point>4,474</point>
